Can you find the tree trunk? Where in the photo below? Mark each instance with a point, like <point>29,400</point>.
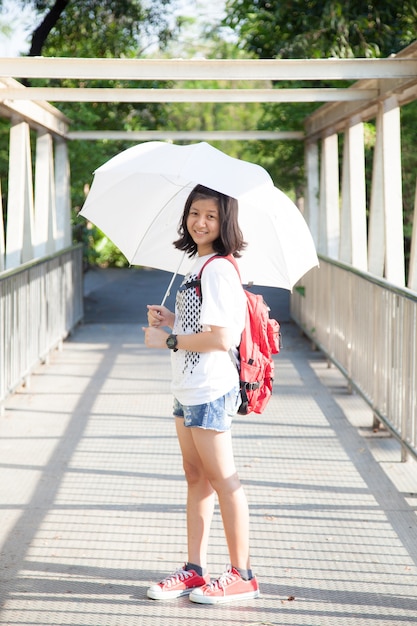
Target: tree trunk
<point>42,31</point>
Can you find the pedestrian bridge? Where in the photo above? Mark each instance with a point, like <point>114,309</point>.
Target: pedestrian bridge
<point>357,307</point>
<point>334,509</point>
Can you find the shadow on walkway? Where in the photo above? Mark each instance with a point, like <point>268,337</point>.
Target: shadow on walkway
<point>92,495</point>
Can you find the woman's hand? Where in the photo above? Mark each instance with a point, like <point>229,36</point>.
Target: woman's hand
<point>155,337</point>
<point>160,316</point>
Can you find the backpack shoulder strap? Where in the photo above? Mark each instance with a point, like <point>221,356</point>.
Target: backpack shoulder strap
<point>229,258</point>
<point>197,284</point>
<point>197,281</point>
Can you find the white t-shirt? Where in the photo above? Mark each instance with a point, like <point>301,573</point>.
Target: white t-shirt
<point>200,377</point>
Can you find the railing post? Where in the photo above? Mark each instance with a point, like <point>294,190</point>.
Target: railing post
<point>329,228</point>
<point>392,186</point>
<point>45,226</point>
<point>353,237</point>
<point>62,195</point>
<point>20,227</point>
<point>311,212</point>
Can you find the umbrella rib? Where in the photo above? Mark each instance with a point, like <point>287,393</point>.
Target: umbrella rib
<point>154,220</point>
<point>168,291</point>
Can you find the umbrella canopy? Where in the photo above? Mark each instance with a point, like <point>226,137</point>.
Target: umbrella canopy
<point>137,199</point>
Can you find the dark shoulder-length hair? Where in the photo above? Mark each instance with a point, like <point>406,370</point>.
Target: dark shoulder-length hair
<point>230,240</point>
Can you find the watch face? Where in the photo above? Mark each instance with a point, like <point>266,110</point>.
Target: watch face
<point>171,341</point>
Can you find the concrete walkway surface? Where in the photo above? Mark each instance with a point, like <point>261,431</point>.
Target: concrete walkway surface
<point>92,494</point>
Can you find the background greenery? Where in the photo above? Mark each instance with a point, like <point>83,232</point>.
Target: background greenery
<point>249,29</point>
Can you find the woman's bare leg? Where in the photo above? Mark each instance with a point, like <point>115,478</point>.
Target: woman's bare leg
<point>200,497</point>
<point>209,467</point>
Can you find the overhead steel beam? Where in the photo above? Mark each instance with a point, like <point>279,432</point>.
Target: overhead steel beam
<point>97,94</point>
<point>40,114</point>
<point>333,117</point>
<point>207,69</point>
<point>183,135</point>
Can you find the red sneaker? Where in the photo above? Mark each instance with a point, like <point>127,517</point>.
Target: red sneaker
<point>178,584</point>
<point>230,586</point>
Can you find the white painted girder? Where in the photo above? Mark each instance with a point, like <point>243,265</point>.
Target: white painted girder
<point>207,69</point>
<point>40,114</point>
<point>119,94</point>
<point>185,135</point>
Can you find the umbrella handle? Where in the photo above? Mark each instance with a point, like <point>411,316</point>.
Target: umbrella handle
<point>168,291</point>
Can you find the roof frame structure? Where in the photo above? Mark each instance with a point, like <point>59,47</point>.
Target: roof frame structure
<point>381,87</point>
<point>377,80</point>
<point>332,117</point>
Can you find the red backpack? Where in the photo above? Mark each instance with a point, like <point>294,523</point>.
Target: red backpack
<point>260,340</point>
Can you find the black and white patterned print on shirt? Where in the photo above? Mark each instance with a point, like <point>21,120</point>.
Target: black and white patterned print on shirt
<point>188,307</point>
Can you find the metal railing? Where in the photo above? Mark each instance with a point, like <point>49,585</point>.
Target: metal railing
<point>368,329</point>
<point>40,303</point>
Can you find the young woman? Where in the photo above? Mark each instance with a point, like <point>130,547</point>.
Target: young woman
<point>205,385</point>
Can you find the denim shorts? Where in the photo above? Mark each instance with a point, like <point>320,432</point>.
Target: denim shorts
<point>215,415</point>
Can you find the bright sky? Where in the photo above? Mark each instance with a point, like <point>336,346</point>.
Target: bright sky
<point>22,23</point>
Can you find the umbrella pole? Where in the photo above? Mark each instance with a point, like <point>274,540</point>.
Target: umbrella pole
<point>168,291</point>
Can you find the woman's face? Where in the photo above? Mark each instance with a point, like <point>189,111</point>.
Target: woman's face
<point>203,224</point>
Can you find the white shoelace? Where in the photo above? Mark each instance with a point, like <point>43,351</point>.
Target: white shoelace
<point>225,579</point>
<point>179,576</point>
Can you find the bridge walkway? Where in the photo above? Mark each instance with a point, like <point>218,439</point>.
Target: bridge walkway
<point>92,492</point>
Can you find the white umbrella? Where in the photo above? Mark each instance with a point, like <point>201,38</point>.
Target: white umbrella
<point>137,199</point>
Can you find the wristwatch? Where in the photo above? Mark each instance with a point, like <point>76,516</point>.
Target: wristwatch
<point>172,342</point>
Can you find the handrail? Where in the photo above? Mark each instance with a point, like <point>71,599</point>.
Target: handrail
<point>40,303</point>
<point>377,280</point>
<point>33,263</point>
<point>367,327</point>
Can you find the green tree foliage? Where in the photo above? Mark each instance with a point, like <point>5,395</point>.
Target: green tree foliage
<point>124,23</point>
<point>6,29</point>
<point>104,28</point>
<point>409,166</point>
<point>322,28</point>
